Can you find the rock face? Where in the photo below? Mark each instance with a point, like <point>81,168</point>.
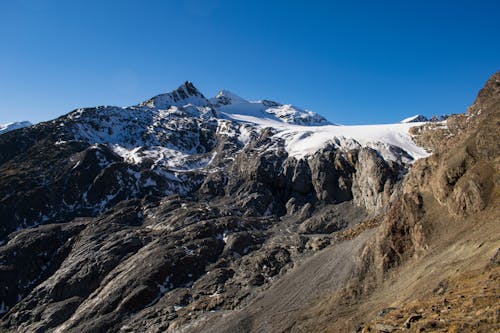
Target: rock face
<point>461,178</point>
<point>375,180</point>
<point>153,217</point>
<point>442,224</point>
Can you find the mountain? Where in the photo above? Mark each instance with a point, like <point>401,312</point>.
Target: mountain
<point>170,144</point>
<point>13,126</point>
<point>192,214</point>
<point>227,104</point>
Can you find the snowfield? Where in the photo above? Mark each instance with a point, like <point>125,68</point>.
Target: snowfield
<point>302,140</point>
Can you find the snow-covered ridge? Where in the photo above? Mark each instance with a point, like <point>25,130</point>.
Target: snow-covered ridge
<point>231,106</point>
<point>184,95</point>
<point>180,131</point>
<point>13,126</point>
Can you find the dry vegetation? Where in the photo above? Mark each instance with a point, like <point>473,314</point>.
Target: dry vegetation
<point>434,263</point>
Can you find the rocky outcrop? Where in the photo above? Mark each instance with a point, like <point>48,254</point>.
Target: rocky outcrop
<point>332,172</point>
<point>461,177</point>
<point>375,180</point>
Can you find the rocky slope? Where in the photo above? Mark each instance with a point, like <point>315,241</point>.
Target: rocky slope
<point>433,263</point>
<point>184,213</point>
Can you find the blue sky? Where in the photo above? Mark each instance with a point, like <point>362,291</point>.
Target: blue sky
<point>351,61</point>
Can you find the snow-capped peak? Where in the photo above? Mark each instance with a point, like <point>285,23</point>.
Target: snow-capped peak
<point>186,94</point>
<point>182,132</point>
<point>225,97</point>
<point>12,126</point>
<point>229,105</point>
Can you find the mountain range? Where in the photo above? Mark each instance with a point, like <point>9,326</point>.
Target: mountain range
<point>192,214</point>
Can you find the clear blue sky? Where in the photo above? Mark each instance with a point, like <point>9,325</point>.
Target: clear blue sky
<point>351,61</point>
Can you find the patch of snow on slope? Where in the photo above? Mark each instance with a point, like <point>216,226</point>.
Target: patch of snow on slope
<point>163,157</point>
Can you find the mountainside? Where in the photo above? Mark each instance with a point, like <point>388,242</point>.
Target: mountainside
<point>192,214</point>
<point>433,264</point>
<point>13,126</point>
<point>89,160</point>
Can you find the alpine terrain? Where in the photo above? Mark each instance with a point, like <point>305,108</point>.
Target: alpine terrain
<point>192,214</point>
<point>12,126</point>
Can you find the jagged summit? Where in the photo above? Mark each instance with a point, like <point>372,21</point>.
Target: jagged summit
<point>190,88</point>
<point>187,93</point>
<point>229,105</point>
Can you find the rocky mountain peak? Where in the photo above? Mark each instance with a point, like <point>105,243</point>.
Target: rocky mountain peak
<point>185,94</point>
<point>189,87</point>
